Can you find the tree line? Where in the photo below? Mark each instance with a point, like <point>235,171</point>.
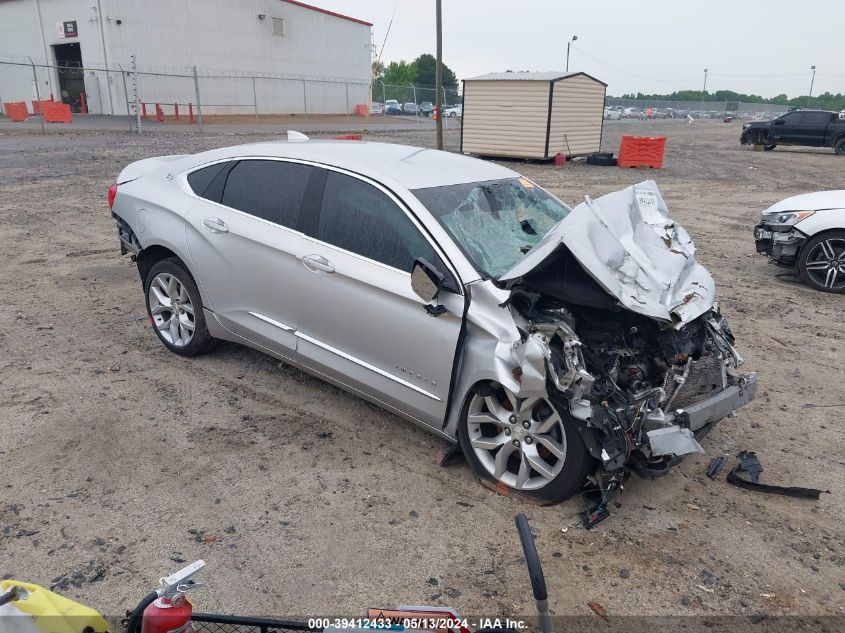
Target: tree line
<point>824,101</point>
<point>415,80</point>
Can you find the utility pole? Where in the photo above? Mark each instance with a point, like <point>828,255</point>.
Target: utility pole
<point>812,81</point>
<point>568,44</point>
<point>438,76</point>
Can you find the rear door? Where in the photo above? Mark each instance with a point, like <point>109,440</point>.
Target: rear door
<point>361,323</point>
<point>244,240</point>
<point>813,127</point>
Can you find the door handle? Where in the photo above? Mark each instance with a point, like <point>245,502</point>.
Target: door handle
<point>215,225</point>
<point>317,264</point>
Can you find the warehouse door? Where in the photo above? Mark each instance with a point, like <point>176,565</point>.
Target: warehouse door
<point>71,74</point>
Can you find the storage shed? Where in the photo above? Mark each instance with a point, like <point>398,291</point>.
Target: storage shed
<point>532,115</point>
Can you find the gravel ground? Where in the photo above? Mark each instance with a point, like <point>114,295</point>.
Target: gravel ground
<point>121,460</point>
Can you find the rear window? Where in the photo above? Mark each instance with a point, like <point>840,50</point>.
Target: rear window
<point>268,189</point>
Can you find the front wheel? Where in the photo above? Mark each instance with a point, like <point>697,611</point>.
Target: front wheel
<point>527,444</point>
<point>175,309</point>
<point>821,263</point>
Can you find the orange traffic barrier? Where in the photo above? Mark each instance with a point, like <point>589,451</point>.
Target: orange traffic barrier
<point>16,110</point>
<point>641,151</point>
<point>350,137</point>
<point>36,105</point>
<point>56,112</point>
<point>362,109</point>
<point>159,114</point>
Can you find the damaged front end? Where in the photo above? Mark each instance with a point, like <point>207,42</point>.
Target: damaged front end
<point>619,325</point>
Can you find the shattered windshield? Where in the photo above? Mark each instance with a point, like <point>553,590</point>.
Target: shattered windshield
<point>495,222</point>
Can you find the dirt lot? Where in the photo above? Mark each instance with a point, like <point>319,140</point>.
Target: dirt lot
<point>120,460</point>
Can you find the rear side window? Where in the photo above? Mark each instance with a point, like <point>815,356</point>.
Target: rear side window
<point>202,178</point>
<point>268,189</point>
<point>817,118</point>
<point>357,217</point>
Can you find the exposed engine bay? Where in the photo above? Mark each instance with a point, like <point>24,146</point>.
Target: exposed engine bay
<point>640,385</point>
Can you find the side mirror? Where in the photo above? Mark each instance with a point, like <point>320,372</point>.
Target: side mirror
<point>426,280</point>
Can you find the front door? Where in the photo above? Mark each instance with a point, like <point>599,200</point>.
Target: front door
<point>244,241</point>
<point>787,129</point>
<point>360,323</point>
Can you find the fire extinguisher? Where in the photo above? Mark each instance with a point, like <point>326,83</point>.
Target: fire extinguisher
<point>167,610</point>
<point>435,113</point>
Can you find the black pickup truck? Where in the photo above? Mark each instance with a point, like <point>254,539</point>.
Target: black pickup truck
<point>811,128</point>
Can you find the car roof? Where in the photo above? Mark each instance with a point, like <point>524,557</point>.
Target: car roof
<point>410,167</point>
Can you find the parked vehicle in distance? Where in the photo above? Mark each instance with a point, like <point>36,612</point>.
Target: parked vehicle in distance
<point>409,108</point>
<point>376,107</point>
<point>449,290</point>
<point>808,128</point>
<point>631,113</point>
<point>426,108</point>
<point>453,110</point>
<point>391,106</point>
<point>612,114</point>
<point>807,233</point>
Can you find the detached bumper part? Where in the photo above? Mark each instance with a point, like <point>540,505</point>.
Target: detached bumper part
<point>750,465</point>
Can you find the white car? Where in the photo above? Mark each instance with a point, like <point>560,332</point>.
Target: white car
<point>807,232</point>
<point>612,114</point>
<point>376,107</point>
<point>556,345</point>
<point>453,111</point>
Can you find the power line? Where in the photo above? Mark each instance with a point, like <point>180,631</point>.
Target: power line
<point>626,72</point>
<point>389,24</point>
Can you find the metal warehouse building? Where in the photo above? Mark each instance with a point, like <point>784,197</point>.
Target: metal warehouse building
<point>533,115</point>
<point>268,56</point>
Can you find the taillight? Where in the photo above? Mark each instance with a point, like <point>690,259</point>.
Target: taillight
<point>112,194</point>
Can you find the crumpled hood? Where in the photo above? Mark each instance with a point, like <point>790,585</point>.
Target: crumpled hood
<point>628,243</point>
<point>816,201</point>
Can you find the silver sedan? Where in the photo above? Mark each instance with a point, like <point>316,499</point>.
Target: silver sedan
<point>559,347</point>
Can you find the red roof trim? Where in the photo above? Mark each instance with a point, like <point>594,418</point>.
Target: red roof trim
<point>327,12</point>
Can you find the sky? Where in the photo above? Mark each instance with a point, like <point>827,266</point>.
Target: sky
<point>763,47</point>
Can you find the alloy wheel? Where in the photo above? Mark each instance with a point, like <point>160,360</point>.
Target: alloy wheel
<point>171,309</point>
<point>521,442</point>
<point>825,264</point>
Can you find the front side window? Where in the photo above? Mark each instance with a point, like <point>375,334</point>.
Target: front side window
<point>359,218</point>
<point>268,189</point>
<point>495,222</point>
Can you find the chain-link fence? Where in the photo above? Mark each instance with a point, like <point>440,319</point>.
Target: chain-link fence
<point>188,95</point>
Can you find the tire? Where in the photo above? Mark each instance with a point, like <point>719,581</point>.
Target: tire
<point>839,146</point>
<point>602,159</point>
<point>487,428</point>
<point>821,262</point>
<point>769,148</point>
<point>166,279</point>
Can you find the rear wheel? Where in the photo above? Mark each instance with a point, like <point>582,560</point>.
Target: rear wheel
<point>822,262</point>
<point>839,147</point>
<point>527,444</point>
<point>175,309</point>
